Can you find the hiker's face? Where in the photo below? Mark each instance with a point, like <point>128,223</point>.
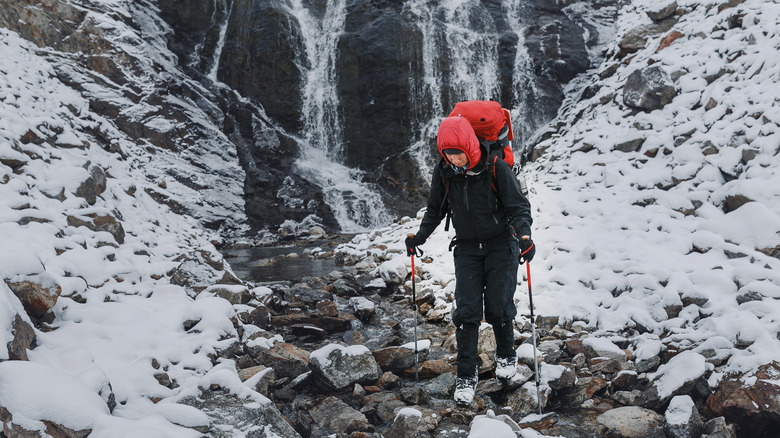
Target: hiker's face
<point>458,160</point>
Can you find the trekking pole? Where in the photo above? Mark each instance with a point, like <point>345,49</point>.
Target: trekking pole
<point>533,335</point>
<point>414,314</point>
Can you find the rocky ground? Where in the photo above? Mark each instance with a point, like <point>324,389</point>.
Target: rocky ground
<point>336,356</point>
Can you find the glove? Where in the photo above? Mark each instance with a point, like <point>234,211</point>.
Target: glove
<point>412,242</point>
<point>527,249</point>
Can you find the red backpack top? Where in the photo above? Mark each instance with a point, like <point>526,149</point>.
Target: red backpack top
<point>492,125</point>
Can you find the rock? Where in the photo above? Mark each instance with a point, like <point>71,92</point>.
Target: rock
<point>327,308</point>
<point>669,39</point>
<point>93,186</point>
<point>432,368</point>
<point>678,376</point>
<point>260,316</point>
<point>335,367</point>
<point>235,294</point>
<point>329,324</point>
<point>338,417</point>
<point>662,11</point>
<point>649,89</point>
<point>733,202</point>
<point>682,419</point>
<point>287,360</point>
<point>363,307</point>
<point>23,337</point>
<point>193,274</point>
<point>38,292</point>
<point>399,358</point>
<point>752,403</point>
<point>523,400</point>
<point>96,222</point>
<point>717,428</point>
<point>389,381</point>
<point>636,39</point>
<point>259,377</point>
<point>629,398</point>
<point>441,386</point>
<point>230,416</point>
<point>407,424</point>
<point>557,376</point>
<point>630,146</point>
<point>602,347</point>
<point>631,422</point>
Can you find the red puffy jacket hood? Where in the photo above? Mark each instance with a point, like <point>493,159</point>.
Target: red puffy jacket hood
<point>457,133</point>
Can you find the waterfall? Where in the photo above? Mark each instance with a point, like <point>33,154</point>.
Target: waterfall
<point>463,36</point>
<point>356,205</point>
<point>212,74</point>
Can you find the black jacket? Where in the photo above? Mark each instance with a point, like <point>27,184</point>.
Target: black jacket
<point>486,202</point>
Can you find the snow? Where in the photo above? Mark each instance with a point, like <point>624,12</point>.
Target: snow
<point>680,410</point>
<point>422,344</point>
<point>621,237</point>
<point>681,369</point>
<point>490,428</point>
<point>55,396</point>
<point>321,355</point>
<point>408,412</point>
<point>604,347</point>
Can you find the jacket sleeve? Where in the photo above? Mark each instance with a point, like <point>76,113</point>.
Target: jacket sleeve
<point>438,205</point>
<point>517,206</point>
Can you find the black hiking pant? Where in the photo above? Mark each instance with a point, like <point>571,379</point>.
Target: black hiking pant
<point>485,278</point>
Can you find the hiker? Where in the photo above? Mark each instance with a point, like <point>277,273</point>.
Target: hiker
<point>492,221</point>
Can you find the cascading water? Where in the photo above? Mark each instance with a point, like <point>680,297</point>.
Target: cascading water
<point>356,205</point>
<point>464,38</point>
<point>221,42</point>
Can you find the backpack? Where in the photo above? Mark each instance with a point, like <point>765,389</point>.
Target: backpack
<point>492,125</point>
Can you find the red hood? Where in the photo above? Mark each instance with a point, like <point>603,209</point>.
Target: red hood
<point>456,132</point>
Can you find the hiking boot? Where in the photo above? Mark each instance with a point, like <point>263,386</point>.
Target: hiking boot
<point>506,367</point>
<point>464,389</point>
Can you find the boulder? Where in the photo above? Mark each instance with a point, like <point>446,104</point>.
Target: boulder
<point>287,360</point>
<point>682,419</point>
<point>104,222</point>
<point>602,347</point>
<point>631,422</point>
<point>751,401</point>
<point>338,417</point>
<point>37,292</point>
<point>93,185</point>
<point>231,416</point>
<point>399,358</point>
<point>407,424</point>
<point>649,89</point>
<point>335,367</point>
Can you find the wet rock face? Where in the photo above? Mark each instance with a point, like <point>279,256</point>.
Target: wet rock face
<point>379,85</point>
<point>259,59</point>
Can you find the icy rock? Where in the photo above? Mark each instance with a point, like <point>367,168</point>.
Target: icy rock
<point>232,416</point>
<point>679,375</point>
<point>234,293</point>
<point>93,185</point>
<point>335,367</point>
<point>718,428</point>
<point>408,423</point>
<point>682,419</point>
<point>523,400</point>
<point>363,308</point>
<point>755,405</point>
<point>601,347</point>
<point>649,89</point>
<point>662,11</point>
<point>96,222</point>
<point>258,378</point>
<point>23,337</point>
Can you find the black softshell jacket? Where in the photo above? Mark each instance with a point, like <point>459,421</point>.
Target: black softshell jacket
<point>480,213</point>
